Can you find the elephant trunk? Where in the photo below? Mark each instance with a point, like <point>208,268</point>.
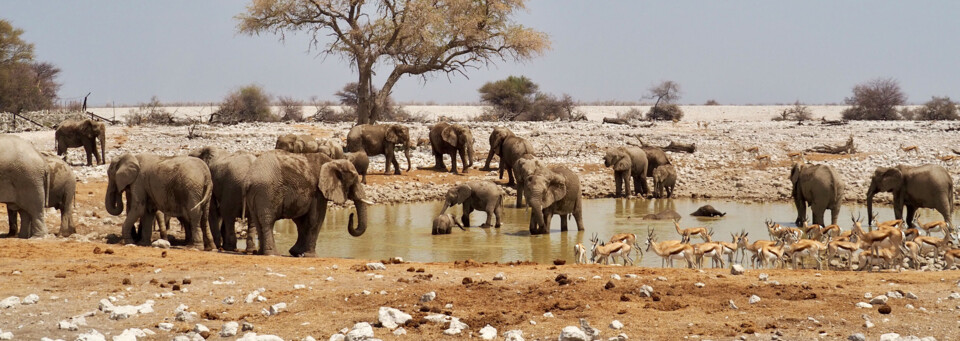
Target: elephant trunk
<point>870,193</point>
<point>113,200</point>
<point>536,214</point>
<point>470,154</point>
<point>406,153</point>
<point>446,205</point>
<point>361,219</point>
<point>103,146</point>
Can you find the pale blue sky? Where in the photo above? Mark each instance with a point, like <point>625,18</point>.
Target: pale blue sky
<point>737,52</point>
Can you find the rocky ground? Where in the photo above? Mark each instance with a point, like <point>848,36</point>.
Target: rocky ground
<point>70,290</point>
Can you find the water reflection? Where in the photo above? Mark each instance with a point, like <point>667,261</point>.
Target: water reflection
<point>404,229</point>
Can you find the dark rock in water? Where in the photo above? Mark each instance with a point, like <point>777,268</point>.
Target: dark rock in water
<point>707,211</point>
<point>663,215</point>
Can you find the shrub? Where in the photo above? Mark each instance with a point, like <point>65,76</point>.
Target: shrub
<point>875,100</point>
<point>798,112</point>
<point>513,95</point>
<point>632,114</point>
<point>665,112</point>
<point>711,102</point>
<point>389,111</point>
<point>248,104</point>
<point>152,113</point>
<point>290,109</point>
<point>938,108</point>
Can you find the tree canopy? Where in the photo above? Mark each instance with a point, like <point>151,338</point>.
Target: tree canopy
<point>875,100</point>
<point>25,84</point>
<point>414,37</point>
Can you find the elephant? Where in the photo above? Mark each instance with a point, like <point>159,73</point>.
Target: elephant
<point>227,170</point>
<point>451,139</point>
<point>525,166</point>
<point>72,133</point>
<point>656,157</point>
<point>817,186</point>
<point>61,192</point>
<point>361,162</point>
<point>443,223</point>
<point>924,186</point>
<point>513,148</point>
<point>297,143</point>
<point>480,195</point>
<point>496,139</point>
<point>707,211</point>
<point>24,183</point>
<point>178,186</point>
<point>628,163</point>
<point>554,190</point>
<point>381,139</point>
<point>667,214</point>
<point>664,181</point>
<point>282,185</point>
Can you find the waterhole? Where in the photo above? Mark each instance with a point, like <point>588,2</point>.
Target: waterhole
<point>403,230</point>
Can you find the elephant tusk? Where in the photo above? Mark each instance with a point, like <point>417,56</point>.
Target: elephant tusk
<point>366,201</point>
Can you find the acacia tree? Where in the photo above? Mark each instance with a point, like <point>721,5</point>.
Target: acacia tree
<point>666,92</point>
<point>414,37</point>
<point>24,83</point>
<point>875,100</point>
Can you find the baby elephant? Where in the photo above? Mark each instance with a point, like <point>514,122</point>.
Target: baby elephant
<point>664,180</point>
<point>476,195</point>
<point>443,223</point>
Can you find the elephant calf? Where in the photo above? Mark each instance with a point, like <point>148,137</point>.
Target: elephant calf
<point>443,223</point>
<point>381,139</point>
<point>73,133</point>
<point>62,191</point>
<point>227,170</point>
<point>664,180</point>
<point>451,139</point>
<point>480,195</point>
<point>628,163</point>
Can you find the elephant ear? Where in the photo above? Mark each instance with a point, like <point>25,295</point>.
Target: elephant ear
<point>497,142</point>
<point>891,179</point>
<point>623,164</point>
<point>449,135</point>
<point>463,192</point>
<point>127,173</point>
<point>336,180</point>
<point>89,128</point>
<point>556,189</point>
<point>795,172</point>
<point>392,135</point>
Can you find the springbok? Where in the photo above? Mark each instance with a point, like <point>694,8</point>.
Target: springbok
<point>908,149</point>
<point>630,239</point>
<point>713,250</point>
<point>796,156</point>
<point>580,253</point>
<point>932,226</point>
<point>602,253</point>
<point>686,233</point>
<point>950,258</point>
<point>668,251</point>
<point>805,247</point>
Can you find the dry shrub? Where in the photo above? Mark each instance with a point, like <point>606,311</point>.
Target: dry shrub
<point>938,108</point>
<point>290,109</point>
<point>875,100</point>
<point>632,114</point>
<point>248,104</point>
<point>665,112</point>
<point>798,112</point>
<point>150,113</point>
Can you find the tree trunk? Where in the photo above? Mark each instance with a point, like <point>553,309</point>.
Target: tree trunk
<point>365,97</point>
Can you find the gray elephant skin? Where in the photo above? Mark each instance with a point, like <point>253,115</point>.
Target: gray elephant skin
<point>453,140</point>
<point>24,182</point>
<point>227,170</point>
<point>178,186</point>
<point>656,157</point>
<point>476,195</point>
<point>361,162</point>
<point>664,181</point>
<point>512,149</point>
<point>925,186</point>
<point>496,139</point>
<point>74,133</point>
<point>308,144</point>
<point>62,191</point>
<point>663,215</point>
<point>628,163</point>
<point>555,190</point>
<point>282,185</point>
<point>526,166</point>
<point>707,211</point>
<point>820,188</point>
<point>381,139</point>
<point>444,223</point>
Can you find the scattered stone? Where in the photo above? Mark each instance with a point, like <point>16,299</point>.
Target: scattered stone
<point>6,336</point>
<point>609,285</point>
<point>884,309</point>
<point>255,337</point>
<point>299,286</point>
<point>199,328</point>
<point>252,296</point>
<point>229,300</point>
<point>246,326</point>
<point>513,335</point>
<point>430,296</point>
<point>592,333</point>
<point>337,337</point>
<point>661,278</point>
<point>31,299</point>
<point>754,299</point>
<point>894,294</point>
<point>229,329</point>
<point>360,331</point>
<point>631,275</point>
<point>376,266</point>
<point>548,315</point>
<point>911,295</point>
<point>699,284</point>
<point>733,305</point>
<point>737,269</point>
<point>616,325</point>
<point>620,337</point>
<point>867,324</point>
<point>399,331</point>
<point>93,335</point>
<point>880,299</point>
<point>763,277</point>
<point>392,318</point>
<point>276,309</point>
<point>488,333</point>
<point>455,327</point>
<point>645,291</point>
<point>864,305</point>
<point>857,337</point>
<point>10,302</point>
<point>68,325</point>
<point>165,326</point>
<point>615,277</point>
<point>572,333</point>
<point>889,337</point>
<point>161,243</point>
<point>498,277</point>
<point>953,296</point>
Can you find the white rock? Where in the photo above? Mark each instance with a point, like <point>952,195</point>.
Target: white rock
<point>430,296</point>
<point>754,299</point>
<point>953,296</point>
<point>199,328</point>
<point>184,316</point>
<point>365,292</point>
<point>254,337</point>
<point>399,331</point>
<point>299,286</point>
<point>165,326</point>
<point>880,299</point>
<point>513,335</point>
<point>392,318</point>
<point>864,305</point>
<point>499,276</point>
<point>93,335</point>
<point>10,302</point>
<point>376,266</point>
<point>615,277</point>
<point>229,300</point>
<point>733,305</point>
<point>488,333</point>
<point>6,336</point>
<point>572,333</point>
<point>180,308</point>
<point>455,327</point>
<point>438,318</point>
<point>857,337</point>
<point>867,295</point>
<point>131,334</point>
<point>161,243</point>
<point>646,291</point>
<point>631,275</point>
<point>616,325</point>
<point>867,324</point>
<point>337,337</point>
<point>548,314</point>
<point>737,269</point>
<point>894,294</point>
<point>889,337</point>
<point>360,331</point>
<point>229,329</point>
<point>911,295</point>
<point>699,285</point>
<point>763,277</point>
<point>68,325</point>
<point>31,299</point>
<point>597,277</point>
<point>252,296</point>
<point>277,308</point>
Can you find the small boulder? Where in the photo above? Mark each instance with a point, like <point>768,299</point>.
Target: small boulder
<point>31,299</point>
<point>890,337</point>
<point>360,331</point>
<point>488,333</point>
<point>513,335</point>
<point>616,325</point>
<point>392,318</point>
<point>161,243</point>
<point>430,296</point>
<point>879,299</point>
<point>399,331</point>
<point>455,327</point>
<point>572,333</point>
<point>864,305</point>
<point>10,302</point>
<point>763,277</point>
<point>499,277</point>
<point>737,269</point>
<point>857,337</point>
<point>754,299</point>
<point>733,305</point>
<point>376,266</point>
<point>229,329</point>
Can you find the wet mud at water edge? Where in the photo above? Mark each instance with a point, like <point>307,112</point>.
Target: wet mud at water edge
<point>403,230</point>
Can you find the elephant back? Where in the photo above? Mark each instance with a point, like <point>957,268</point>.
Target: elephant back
<point>573,193</point>
<point>22,167</point>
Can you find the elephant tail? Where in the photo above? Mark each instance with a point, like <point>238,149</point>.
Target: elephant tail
<point>207,194</point>
<point>46,187</point>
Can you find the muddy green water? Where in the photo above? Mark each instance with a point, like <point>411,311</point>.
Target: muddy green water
<point>404,230</point>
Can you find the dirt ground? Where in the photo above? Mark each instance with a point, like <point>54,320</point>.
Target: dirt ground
<point>72,277</point>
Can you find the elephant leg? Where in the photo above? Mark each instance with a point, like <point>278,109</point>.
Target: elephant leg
<point>491,213</point>
<point>302,226</point>
<point>251,234</point>
<point>911,213</point>
<point>12,219</point>
<point>643,188</point>
<point>66,222</point>
<point>944,210</point>
<point>578,214</point>
<point>618,179</point>
<point>87,149</point>
<point>818,210</point>
<point>200,219</point>
<point>463,158</point>
<point>438,162</point>
<point>497,212</point>
<point>453,162</point>
<point>465,219</point>
<point>511,178</point>
<point>563,222</point>
<point>834,214</point>
<point>146,227</point>
<point>308,229</point>
<point>801,209</point>
<point>215,222</point>
<point>519,203</point>
<point>265,233</point>
<point>134,212</point>
<point>228,232</point>
<point>547,219</point>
